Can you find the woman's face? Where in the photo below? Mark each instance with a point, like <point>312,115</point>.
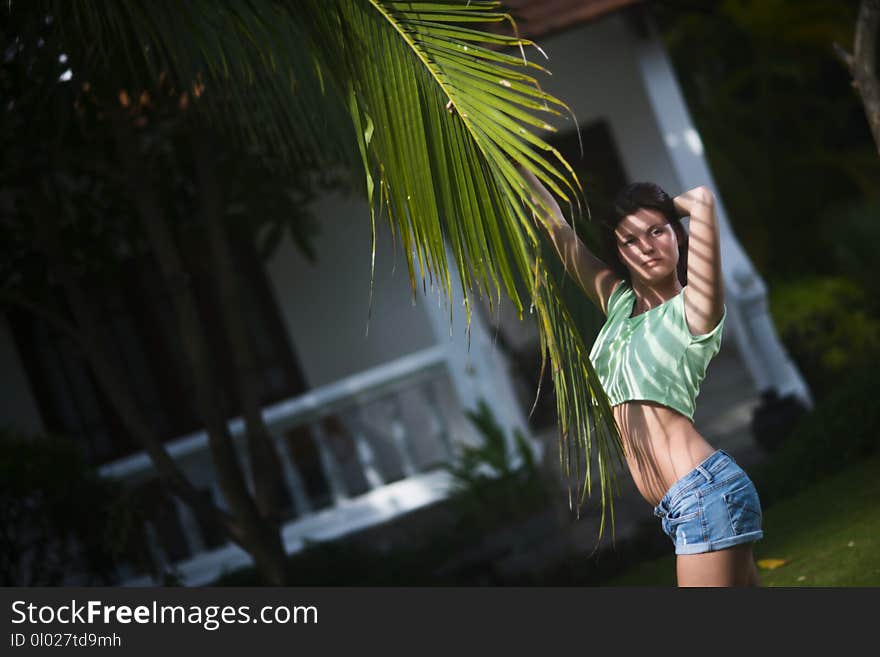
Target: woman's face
<point>647,245</point>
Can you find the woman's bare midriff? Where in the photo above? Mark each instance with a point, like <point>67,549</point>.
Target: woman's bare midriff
<point>661,446</point>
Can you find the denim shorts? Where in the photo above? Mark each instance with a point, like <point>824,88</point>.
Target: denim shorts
<point>712,507</point>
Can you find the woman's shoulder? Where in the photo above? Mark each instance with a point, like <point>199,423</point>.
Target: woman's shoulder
<point>618,291</point>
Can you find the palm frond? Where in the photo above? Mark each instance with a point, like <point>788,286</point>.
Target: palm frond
<point>442,115</point>
<point>249,60</point>
<point>450,116</point>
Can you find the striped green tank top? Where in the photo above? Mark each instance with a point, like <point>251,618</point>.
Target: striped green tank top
<point>652,356</point>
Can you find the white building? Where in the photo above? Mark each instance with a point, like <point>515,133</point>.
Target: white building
<point>363,420</point>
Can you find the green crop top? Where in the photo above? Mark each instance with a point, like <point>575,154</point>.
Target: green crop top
<point>652,356</point>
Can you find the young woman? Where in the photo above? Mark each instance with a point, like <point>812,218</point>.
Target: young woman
<point>662,294</point>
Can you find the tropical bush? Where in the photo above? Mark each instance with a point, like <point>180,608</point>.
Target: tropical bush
<point>826,326</point>
<point>853,234</point>
<point>843,429</point>
<point>492,487</point>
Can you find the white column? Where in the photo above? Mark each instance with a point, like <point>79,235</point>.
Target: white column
<point>157,552</point>
<point>328,461</point>
<point>746,298</point>
<point>292,477</point>
<point>400,438</point>
<point>437,412</point>
<point>192,533</point>
<point>367,458</point>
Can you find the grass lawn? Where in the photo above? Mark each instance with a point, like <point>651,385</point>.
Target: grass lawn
<point>828,535</point>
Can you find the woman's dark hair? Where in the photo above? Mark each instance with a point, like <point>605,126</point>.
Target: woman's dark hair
<point>629,200</point>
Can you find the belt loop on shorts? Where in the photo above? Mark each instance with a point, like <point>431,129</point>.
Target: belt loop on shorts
<point>704,472</point>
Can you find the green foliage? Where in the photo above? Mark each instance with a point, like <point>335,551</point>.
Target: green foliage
<point>785,135</point>
<point>824,323</point>
<point>843,429</point>
<point>490,487</point>
<point>57,516</point>
<point>439,114</point>
<point>76,179</point>
<point>853,233</point>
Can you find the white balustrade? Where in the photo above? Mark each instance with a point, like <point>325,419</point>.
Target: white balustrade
<point>353,450</point>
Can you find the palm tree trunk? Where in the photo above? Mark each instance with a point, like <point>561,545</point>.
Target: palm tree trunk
<point>265,463</point>
<point>257,535</point>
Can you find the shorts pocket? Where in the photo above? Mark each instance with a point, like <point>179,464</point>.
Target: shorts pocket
<point>743,507</point>
<point>687,508</point>
<point>680,519</point>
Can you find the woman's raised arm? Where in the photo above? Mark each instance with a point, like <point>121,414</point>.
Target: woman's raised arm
<point>704,299</point>
<point>595,277</point>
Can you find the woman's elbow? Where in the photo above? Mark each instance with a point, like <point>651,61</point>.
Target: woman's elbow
<point>705,195</point>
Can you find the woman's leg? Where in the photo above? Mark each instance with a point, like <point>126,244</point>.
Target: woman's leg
<point>733,566</point>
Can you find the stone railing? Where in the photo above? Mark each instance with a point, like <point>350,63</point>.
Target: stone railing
<point>354,453</point>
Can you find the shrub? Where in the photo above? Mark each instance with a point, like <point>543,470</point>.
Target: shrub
<point>842,429</point>
<point>489,488</point>
<point>825,323</point>
<point>853,235</point>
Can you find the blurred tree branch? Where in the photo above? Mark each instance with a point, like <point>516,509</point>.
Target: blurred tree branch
<point>862,63</point>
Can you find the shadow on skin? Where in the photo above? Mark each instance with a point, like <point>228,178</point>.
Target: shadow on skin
<point>636,423</point>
